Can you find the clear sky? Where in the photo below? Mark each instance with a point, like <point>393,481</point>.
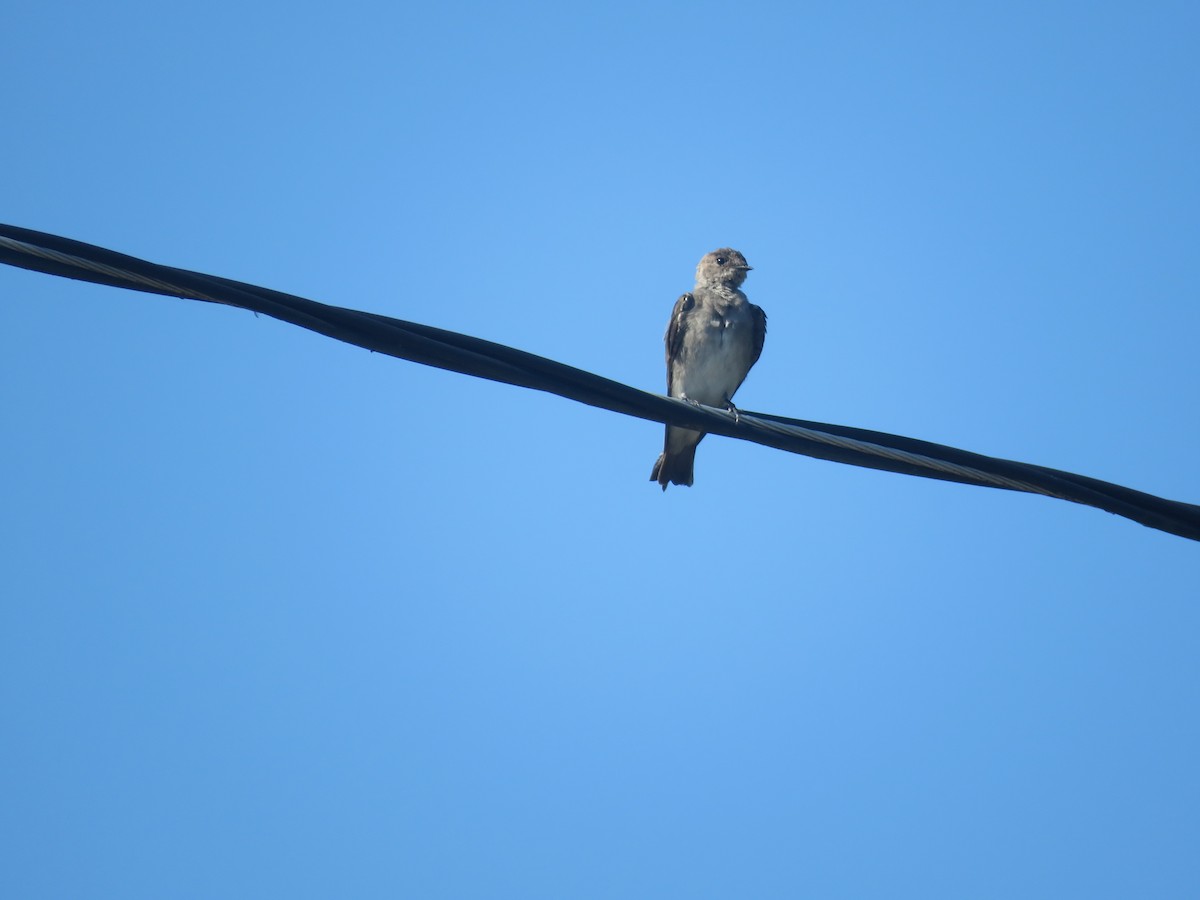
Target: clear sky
<point>283,618</point>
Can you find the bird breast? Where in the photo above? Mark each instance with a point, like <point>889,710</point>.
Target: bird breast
<point>716,356</point>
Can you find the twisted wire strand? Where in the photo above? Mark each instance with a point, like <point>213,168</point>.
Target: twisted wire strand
<point>469,355</point>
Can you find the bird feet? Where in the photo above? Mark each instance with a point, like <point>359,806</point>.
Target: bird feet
<point>728,407</point>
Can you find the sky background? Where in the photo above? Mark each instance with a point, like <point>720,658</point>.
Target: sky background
<point>283,618</point>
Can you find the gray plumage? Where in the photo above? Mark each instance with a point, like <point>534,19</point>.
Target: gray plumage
<point>715,335</point>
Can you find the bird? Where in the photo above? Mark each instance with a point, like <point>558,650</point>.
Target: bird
<point>713,338</point>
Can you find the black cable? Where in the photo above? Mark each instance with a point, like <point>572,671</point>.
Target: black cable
<point>61,256</point>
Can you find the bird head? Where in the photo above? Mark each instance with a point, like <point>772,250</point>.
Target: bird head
<point>724,266</point>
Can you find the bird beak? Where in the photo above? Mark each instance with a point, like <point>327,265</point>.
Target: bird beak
<point>746,268</point>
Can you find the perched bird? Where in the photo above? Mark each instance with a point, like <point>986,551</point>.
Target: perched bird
<point>715,335</point>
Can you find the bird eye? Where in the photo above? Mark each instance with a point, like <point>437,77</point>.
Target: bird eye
<point>720,260</point>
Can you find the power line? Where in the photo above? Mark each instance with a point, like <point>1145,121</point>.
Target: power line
<point>423,344</point>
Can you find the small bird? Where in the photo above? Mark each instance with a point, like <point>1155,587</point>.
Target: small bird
<point>715,335</point>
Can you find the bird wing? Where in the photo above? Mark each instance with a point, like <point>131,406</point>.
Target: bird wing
<point>675,331</point>
<point>760,331</point>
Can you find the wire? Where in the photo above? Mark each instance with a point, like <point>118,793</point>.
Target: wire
<point>449,350</point>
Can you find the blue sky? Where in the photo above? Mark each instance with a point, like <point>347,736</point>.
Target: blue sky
<point>283,618</point>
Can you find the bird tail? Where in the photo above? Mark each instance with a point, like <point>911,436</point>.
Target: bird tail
<point>676,462</point>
